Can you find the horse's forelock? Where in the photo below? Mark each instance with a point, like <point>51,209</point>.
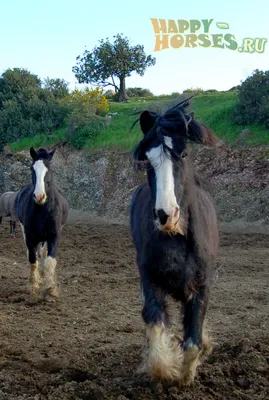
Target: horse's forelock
<point>42,154</point>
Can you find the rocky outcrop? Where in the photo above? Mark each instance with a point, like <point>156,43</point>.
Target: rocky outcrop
<point>101,183</point>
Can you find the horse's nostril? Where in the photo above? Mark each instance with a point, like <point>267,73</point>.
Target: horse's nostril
<point>39,197</point>
<point>162,216</point>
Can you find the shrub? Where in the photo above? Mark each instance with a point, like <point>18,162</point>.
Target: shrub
<point>82,120</point>
<point>80,136</point>
<point>194,91</point>
<point>175,94</point>
<point>109,94</point>
<point>253,106</point>
<point>58,87</point>
<point>209,91</point>
<point>138,92</point>
<point>234,89</point>
<point>92,100</point>
<point>36,116</point>
<point>26,108</point>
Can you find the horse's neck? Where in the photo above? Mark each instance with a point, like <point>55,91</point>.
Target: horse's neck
<point>51,193</point>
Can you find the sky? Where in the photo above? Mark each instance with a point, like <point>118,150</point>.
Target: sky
<point>46,36</point>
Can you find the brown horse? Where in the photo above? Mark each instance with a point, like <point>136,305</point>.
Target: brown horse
<point>174,229</point>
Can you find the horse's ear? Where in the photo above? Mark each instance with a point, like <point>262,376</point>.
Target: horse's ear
<point>33,153</point>
<point>147,121</point>
<point>51,154</point>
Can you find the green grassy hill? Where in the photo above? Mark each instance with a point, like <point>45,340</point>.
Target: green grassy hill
<point>215,110</point>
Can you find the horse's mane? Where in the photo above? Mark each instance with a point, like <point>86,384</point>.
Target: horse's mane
<point>202,183</point>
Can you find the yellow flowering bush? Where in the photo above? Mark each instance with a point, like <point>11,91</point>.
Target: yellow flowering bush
<point>88,100</point>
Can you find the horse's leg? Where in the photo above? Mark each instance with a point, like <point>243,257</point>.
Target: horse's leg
<point>12,225</point>
<point>34,278</point>
<point>164,358</point>
<point>23,234</point>
<point>50,286</point>
<point>14,229</point>
<point>196,342</point>
<point>11,228</point>
<point>42,252</point>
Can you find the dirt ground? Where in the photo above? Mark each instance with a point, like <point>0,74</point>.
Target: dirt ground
<point>88,344</point>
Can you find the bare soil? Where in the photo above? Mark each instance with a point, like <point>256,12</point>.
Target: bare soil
<point>88,345</point>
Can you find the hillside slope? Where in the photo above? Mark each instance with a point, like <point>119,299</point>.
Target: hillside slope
<point>214,109</point>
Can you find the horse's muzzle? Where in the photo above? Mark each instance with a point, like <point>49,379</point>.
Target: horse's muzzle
<point>40,198</point>
<point>170,224</point>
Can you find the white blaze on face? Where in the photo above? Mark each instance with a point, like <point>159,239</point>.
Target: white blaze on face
<point>40,171</point>
<point>165,185</point>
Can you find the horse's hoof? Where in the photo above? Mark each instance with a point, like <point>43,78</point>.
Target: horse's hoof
<point>50,294</point>
<point>34,291</point>
<point>54,292</point>
<point>49,299</point>
<point>186,381</point>
<point>187,378</point>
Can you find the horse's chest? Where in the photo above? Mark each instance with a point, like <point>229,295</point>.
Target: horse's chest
<point>167,253</point>
<point>169,267</point>
<point>42,226</point>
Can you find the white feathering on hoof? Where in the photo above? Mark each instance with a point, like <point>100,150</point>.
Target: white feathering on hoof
<point>165,354</point>
<point>42,253</point>
<point>50,288</point>
<point>193,357</point>
<point>207,345</point>
<point>34,279</point>
<point>190,364</point>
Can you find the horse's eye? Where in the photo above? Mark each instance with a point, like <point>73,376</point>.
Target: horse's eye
<point>184,154</point>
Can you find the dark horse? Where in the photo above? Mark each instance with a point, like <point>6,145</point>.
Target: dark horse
<point>174,229</point>
<point>42,212</point>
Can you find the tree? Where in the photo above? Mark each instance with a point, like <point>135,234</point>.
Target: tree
<point>109,64</point>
